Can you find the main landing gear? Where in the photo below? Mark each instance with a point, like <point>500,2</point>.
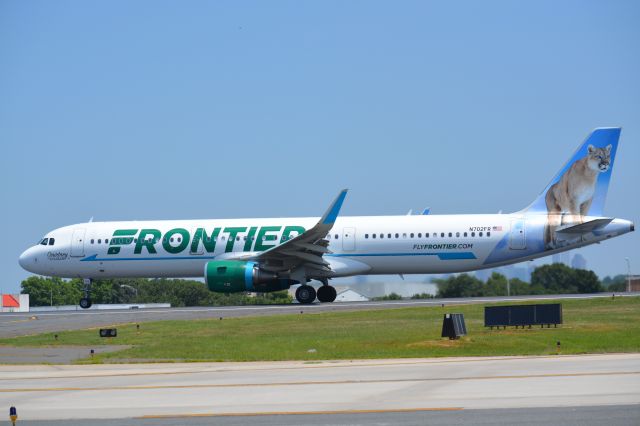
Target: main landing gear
<point>305,294</point>
<point>85,302</point>
<point>327,293</point>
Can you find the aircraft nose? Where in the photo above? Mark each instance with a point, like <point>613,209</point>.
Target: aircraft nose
<point>26,260</point>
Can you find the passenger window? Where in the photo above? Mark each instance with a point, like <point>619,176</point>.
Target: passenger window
<point>366,236</point>
<point>457,234</point>
<point>419,234</point>
<point>450,234</point>
<point>373,235</point>
<point>442,234</point>
<point>480,234</point>
<point>397,235</point>
<point>381,235</point>
<point>388,235</point>
<point>488,234</point>
<point>426,234</point>
<point>335,237</point>
<point>106,241</point>
<point>92,241</point>
<point>473,234</point>
<point>404,235</point>
<point>99,240</point>
<point>411,235</point>
<point>465,234</point>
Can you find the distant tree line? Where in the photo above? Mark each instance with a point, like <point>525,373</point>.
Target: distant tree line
<point>556,278</point>
<point>56,291</point>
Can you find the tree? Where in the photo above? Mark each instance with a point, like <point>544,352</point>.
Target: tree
<point>587,281</point>
<point>617,283</point>
<point>463,285</point>
<point>390,296</point>
<point>50,291</point>
<point>422,296</point>
<point>558,278</point>
<point>496,285</point>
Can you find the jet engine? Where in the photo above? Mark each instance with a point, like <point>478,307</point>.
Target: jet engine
<point>230,276</point>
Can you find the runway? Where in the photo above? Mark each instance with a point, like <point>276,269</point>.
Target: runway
<point>444,388</point>
<point>19,324</point>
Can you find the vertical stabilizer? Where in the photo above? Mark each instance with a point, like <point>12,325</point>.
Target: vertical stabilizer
<point>580,187</point>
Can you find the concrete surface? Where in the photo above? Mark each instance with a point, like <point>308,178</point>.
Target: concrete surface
<point>18,324</point>
<point>179,391</point>
<point>611,415</point>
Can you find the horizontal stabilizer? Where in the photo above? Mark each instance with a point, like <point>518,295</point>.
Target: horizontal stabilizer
<point>586,227</point>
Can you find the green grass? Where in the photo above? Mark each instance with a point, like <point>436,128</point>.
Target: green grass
<point>590,326</point>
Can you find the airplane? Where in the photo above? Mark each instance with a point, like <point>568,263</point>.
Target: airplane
<point>264,255</point>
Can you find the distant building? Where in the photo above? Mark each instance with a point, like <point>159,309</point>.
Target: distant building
<point>349,295</point>
<point>579,262</point>
<point>561,258</point>
<point>635,282</point>
<point>14,303</point>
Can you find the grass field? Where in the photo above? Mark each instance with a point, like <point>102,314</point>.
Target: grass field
<point>590,326</point>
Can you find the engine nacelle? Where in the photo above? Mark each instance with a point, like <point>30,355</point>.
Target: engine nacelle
<point>230,276</point>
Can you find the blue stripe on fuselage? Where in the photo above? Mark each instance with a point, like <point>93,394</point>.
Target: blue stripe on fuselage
<point>465,255</point>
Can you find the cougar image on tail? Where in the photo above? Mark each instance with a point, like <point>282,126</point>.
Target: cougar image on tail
<point>569,199</point>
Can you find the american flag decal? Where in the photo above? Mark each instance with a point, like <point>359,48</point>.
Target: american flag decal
<point>497,228</point>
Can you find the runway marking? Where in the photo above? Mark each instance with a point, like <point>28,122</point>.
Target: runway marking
<point>306,365</point>
<point>297,413</point>
<point>315,383</point>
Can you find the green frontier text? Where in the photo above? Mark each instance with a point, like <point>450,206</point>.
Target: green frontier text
<point>177,240</point>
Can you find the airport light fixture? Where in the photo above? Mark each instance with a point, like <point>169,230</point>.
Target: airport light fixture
<point>628,274</point>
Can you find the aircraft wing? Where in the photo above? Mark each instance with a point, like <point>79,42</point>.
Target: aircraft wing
<point>305,249</point>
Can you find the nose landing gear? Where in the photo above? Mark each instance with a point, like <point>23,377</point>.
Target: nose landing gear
<point>85,302</point>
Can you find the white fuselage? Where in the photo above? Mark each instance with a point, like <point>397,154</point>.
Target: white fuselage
<point>419,244</point>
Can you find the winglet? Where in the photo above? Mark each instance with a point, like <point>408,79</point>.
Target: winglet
<point>331,214</point>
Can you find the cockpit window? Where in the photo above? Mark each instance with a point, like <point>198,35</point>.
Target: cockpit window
<point>44,242</point>
<point>52,241</point>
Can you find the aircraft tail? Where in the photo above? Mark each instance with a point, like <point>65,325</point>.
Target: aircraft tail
<point>580,187</point>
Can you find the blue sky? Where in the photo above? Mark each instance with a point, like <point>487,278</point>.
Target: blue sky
<point>150,109</point>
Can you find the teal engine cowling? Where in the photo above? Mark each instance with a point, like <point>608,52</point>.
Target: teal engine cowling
<point>231,276</point>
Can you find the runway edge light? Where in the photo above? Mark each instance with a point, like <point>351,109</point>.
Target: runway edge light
<point>13,415</point>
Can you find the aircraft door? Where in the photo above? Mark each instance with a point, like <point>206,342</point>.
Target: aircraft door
<point>77,242</point>
<point>517,238</point>
<point>348,239</point>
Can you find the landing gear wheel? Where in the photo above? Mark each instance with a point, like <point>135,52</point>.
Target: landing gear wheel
<point>327,293</point>
<point>305,294</point>
<point>85,302</point>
